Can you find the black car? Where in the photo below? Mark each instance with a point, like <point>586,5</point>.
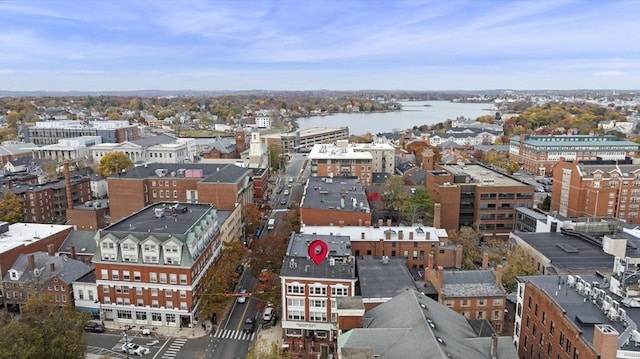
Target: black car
<point>94,328</point>
<point>240,267</point>
<point>249,325</point>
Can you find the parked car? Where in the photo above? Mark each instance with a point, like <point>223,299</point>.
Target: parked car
<point>286,192</point>
<point>132,348</point>
<point>283,201</point>
<point>249,325</point>
<point>240,267</point>
<point>93,327</point>
<point>268,314</point>
<point>243,298</point>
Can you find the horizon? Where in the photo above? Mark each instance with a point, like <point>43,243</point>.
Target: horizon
<point>289,46</point>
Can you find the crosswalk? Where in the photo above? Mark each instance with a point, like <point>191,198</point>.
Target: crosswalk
<point>174,348</point>
<point>233,334</point>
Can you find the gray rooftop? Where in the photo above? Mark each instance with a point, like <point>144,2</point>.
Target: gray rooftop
<point>575,307</point>
<point>383,279</point>
<point>412,325</point>
<point>563,141</point>
<point>66,269</point>
<point>230,173</point>
<point>155,140</point>
<point>145,221</point>
<point>480,175</point>
<point>83,242</point>
<point>345,193</point>
<point>338,265</point>
<point>569,253</point>
<point>470,283</point>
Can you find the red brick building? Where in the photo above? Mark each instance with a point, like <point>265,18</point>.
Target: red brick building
<point>150,265</point>
<point>340,160</point>
<point>222,185</point>
<point>553,320</point>
<point>597,189</point>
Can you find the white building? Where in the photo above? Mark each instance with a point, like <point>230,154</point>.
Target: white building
<point>159,149</point>
<point>68,149</point>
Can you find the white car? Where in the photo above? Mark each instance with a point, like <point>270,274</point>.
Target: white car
<point>132,348</point>
<point>243,298</point>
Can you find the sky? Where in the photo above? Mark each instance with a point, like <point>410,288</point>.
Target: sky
<point>124,45</point>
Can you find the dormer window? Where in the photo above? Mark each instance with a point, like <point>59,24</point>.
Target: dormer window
<point>13,274</point>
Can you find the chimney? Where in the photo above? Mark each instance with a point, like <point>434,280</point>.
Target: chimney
<point>52,266</point>
<point>360,222</point>
<point>367,224</point>
<point>494,346</point>
<point>389,222</point>
<point>605,341</point>
<point>458,263</point>
<point>410,235</point>
<point>387,234</point>
<point>436,215</point>
<point>361,235</point>
<point>485,260</point>
<point>499,274</point>
<point>51,249</point>
<point>67,185</point>
<point>439,276</point>
<point>430,261</point>
<point>380,222</point>
<point>340,224</point>
<point>31,261</point>
<point>400,235</point>
<point>72,250</point>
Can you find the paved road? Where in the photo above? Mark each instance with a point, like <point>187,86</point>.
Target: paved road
<point>110,344</point>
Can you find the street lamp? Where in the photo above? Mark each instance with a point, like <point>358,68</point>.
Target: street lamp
<point>126,341</point>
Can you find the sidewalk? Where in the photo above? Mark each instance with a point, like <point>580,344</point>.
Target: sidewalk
<point>164,332</point>
<point>266,337</point>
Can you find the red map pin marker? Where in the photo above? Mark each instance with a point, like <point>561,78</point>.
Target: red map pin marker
<point>318,251</point>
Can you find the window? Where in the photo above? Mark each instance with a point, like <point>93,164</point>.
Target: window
<point>339,291</point>
<point>104,274</point>
<point>80,294</point>
<point>480,315</point>
<point>173,279</point>
<point>183,305</point>
<point>552,327</point>
<point>295,289</point>
<point>163,277</point>
<point>481,302</point>
<point>544,318</point>
<point>295,315</point>
<point>90,292</point>
<point>183,294</point>
<point>105,289</point>
<point>536,310</point>
<point>154,304</point>
<point>169,304</point>
<point>171,318</point>
<point>140,303</point>
<point>125,275</point>
<point>123,314</point>
<point>154,292</point>
<point>114,275</point>
<point>136,276</point>
<point>561,342</point>
<point>138,290</point>
<point>156,317</point>
<point>318,316</point>
<point>153,277</point>
<point>465,302</point>
<point>141,315</point>
<point>168,293</point>
<point>183,279</point>
<point>317,290</point>
<point>317,303</point>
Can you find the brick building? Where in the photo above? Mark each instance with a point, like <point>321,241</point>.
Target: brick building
<point>150,265</point>
<point>573,317</point>
<point>422,247</point>
<point>334,201</point>
<point>475,196</point>
<point>476,294</point>
<point>89,216</point>
<point>49,132</point>
<point>223,185</point>
<point>309,291</point>
<point>597,189</point>
<point>341,160</point>
<point>41,273</point>
<point>539,153</point>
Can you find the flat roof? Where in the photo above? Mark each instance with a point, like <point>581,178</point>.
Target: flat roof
<point>146,221</point>
<point>484,176</point>
<point>327,193</point>
<point>470,283</point>
<point>381,280</point>
<point>531,213</point>
<point>24,234</point>
<point>575,307</point>
<point>331,151</point>
<point>375,233</point>
<point>297,263</point>
<point>312,131</point>
<point>569,252</point>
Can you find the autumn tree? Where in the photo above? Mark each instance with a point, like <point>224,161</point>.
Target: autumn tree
<point>468,239</point>
<point>394,193</point>
<point>221,278</point>
<point>253,218</point>
<point>11,208</point>
<point>44,330</point>
<point>264,349</point>
<point>519,263</point>
<point>276,158</point>
<point>114,162</point>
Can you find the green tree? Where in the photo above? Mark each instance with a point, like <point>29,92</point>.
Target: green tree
<point>519,263</point>
<point>545,205</point>
<point>394,193</point>
<point>276,158</point>
<point>44,330</point>
<point>114,162</point>
<point>11,208</point>
<point>418,208</point>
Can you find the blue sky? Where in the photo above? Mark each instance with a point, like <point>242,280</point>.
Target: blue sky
<point>91,45</point>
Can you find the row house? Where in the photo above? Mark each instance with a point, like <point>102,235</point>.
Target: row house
<point>310,291</point>
<point>150,265</point>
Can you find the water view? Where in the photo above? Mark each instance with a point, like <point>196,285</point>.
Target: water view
<point>414,113</point>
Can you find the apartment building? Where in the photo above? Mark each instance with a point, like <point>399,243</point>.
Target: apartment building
<point>539,153</point>
<point>309,291</point>
<point>49,132</point>
<point>597,189</point>
<point>223,185</point>
<point>41,273</point>
<point>421,247</point>
<point>573,317</point>
<point>475,196</point>
<point>150,265</point>
<point>304,140</point>
<point>341,160</point>
<point>383,155</point>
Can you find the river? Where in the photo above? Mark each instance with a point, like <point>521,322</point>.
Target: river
<point>414,113</point>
